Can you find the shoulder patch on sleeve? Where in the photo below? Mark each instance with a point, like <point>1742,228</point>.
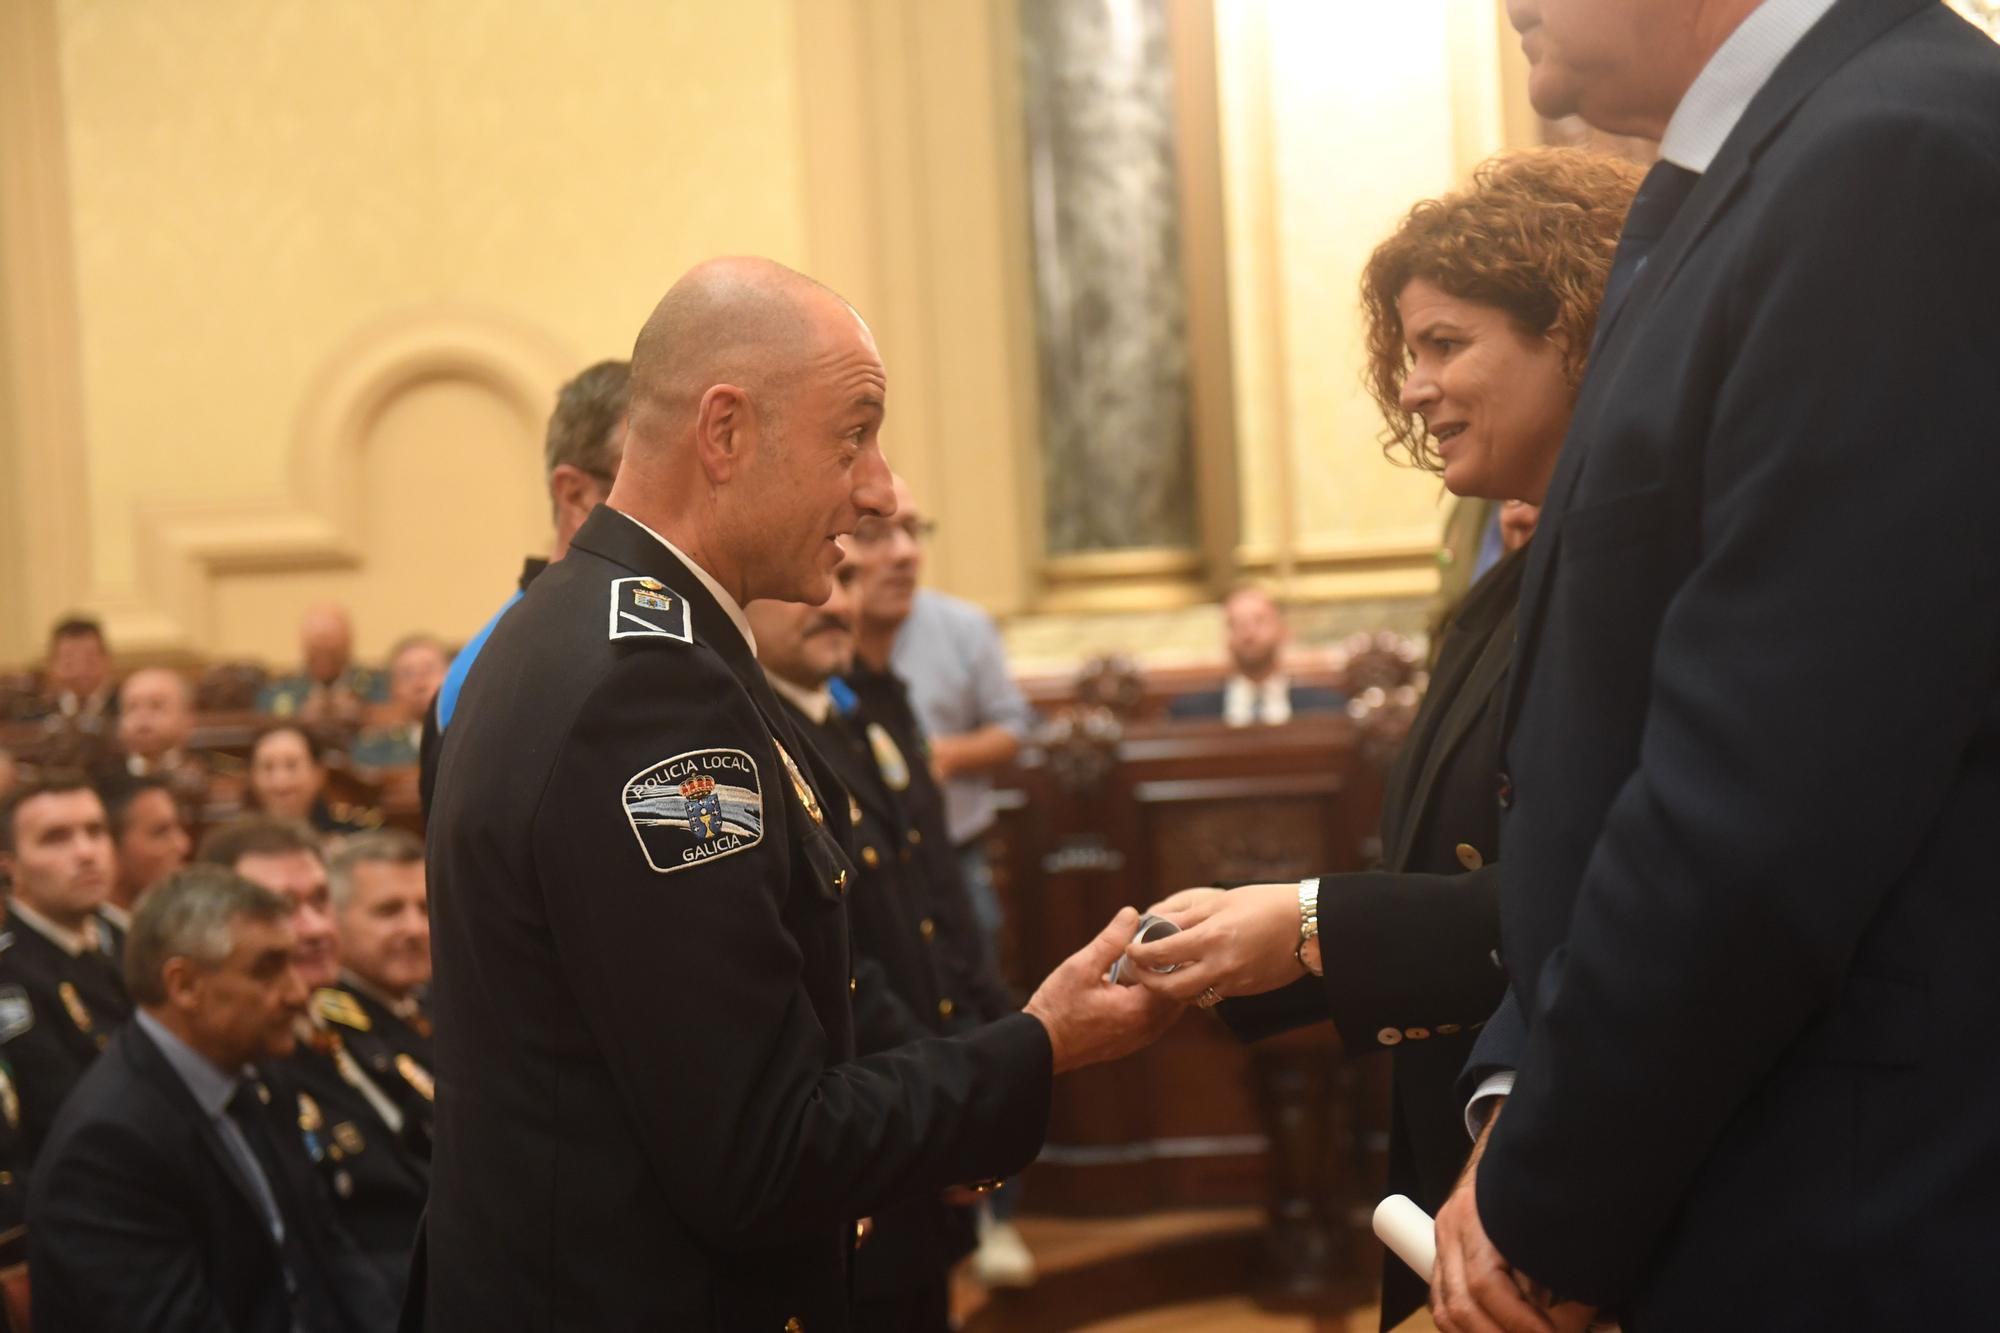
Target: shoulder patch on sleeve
<point>645,608</point>
<point>17,1012</point>
<point>695,807</point>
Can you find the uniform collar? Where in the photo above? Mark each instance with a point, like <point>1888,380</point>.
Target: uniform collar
<point>1713,105</point>
<point>405,1008</point>
<point>210,1087</point>
<point>75,943</point>
<point>716,590</point>
<point>817,704</point>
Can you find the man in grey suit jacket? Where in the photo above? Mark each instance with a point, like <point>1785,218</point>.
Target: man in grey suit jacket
<point>1747,924</point>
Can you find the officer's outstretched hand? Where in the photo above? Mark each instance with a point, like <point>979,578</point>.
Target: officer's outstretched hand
<point>1091,1020</point>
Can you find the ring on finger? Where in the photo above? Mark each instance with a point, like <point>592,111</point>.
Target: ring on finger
<point>1208,998</point>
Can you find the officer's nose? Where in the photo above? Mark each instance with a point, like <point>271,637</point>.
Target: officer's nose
<point>874,485</point>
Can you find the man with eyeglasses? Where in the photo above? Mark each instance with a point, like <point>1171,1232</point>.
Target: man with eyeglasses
<point>585,442</point>
<point>941,656</point>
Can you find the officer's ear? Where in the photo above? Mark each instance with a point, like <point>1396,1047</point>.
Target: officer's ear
<point>724,431</point>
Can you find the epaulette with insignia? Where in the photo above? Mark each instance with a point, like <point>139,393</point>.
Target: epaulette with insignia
<point>337,1006</point>
<point>645,608</point>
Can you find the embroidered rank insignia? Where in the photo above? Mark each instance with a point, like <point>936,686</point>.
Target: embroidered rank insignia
<point>801,786</point>
<point>10,1100</point>
<point>17,1012</point>
<point>889,757</point>
<point>416,1076</point>
<point>73,1002</point>
<point>695,807</point>
<point>337,1006</point>
<point>645,608</point>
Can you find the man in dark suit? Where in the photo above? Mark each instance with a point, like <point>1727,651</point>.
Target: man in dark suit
<point>1747,924</point>
<point>66,998</point>
<point>911,919</point>
<point>637,882</point>
<point>1258,691</point>
<point>172,1194</point>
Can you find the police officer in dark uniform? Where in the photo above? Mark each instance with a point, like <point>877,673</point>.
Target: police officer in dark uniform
<point>650,1112</point>
<point>910,916</point>
<point>61,997</point>
<point>366,1130</point>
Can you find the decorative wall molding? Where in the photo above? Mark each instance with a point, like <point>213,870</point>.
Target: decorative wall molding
<point>317,525</point>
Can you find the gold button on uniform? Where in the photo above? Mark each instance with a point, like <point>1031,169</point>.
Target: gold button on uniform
<point>794,1326</point>
<point>916,838</point>
<point>1448,1029</point>
<point>1417,1034</point>
<point>870,857</point>
<point>927,928</point>
<point>1469,857</point>
<point>946,1008</point>
<point>1389,1036</point>
<point>852,985</point>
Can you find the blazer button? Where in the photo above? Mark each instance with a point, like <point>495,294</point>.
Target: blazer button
<point>946,1008</point>
<point>1390,1036</point>
<point>1469,857</point>
<point>927,928</point>
<point>870,857</point>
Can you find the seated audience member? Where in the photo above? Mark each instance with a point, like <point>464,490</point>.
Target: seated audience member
<point>151,842</point>
<point>288,781</point>
<point>173,1194</point>
<point>1258,691</point>
<point>155,724</point>
<point>331,692</point>
<point>911,919</point>
<point>10,771</point>
<point>364,1124</point>
<point>382,913</point>
<point>61,999</point>
<point>416,669</point>
<point>76,679</point>
<point>13,1183</point>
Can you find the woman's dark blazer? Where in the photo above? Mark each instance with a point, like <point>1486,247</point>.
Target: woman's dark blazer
<point>1408,946</point>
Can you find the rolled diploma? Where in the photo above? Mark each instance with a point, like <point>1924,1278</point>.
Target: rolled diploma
<point>1409,1231</point>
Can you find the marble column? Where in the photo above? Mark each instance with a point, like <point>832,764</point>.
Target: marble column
<point>1111,311</point>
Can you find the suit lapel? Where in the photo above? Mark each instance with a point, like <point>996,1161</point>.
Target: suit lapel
<point>1487,622</point>
<point>150,1063</point>
<point>1848,28</point>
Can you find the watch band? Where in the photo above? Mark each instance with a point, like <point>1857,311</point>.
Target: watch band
<point>1308,922</point>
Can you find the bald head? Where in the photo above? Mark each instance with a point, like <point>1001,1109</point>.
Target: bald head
<point>326,640</point>
<point>742,321</point>
<point>757,397</point>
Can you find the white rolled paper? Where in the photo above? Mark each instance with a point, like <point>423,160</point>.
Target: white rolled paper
<point>1409,1231</point>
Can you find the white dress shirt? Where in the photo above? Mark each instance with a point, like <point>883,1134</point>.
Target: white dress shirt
<point>716,590</point>
<point>1707,115</point>
<point>1247,703</point>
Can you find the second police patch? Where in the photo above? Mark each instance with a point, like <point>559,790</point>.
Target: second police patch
<point>695,808</point>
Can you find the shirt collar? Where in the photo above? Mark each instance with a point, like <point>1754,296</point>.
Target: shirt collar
<point>815,704</point>
<point>211,1088</point>
<point>716,590</point>
<point>75,943</point>
<point>404,1008</point>
<point>1733,76</point>
<point>116,915</point>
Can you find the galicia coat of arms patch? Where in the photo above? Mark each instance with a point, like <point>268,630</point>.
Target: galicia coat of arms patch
<point>695,808</point>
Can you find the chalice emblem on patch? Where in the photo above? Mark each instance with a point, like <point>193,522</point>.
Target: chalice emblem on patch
<point>704,807</point>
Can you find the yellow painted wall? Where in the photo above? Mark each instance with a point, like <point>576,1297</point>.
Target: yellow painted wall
<point>286,287</point>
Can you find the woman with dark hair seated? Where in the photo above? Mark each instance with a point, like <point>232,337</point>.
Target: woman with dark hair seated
<point>1480,310</point>
<point>288,780</point>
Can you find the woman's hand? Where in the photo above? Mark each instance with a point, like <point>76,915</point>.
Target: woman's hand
<point>1237,943</point>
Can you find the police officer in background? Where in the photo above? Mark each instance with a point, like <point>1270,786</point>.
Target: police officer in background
<point>910,916</point>
<point>650,1112</point>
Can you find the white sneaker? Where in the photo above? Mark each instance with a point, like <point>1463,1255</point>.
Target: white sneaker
<point>1002,1259</point>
